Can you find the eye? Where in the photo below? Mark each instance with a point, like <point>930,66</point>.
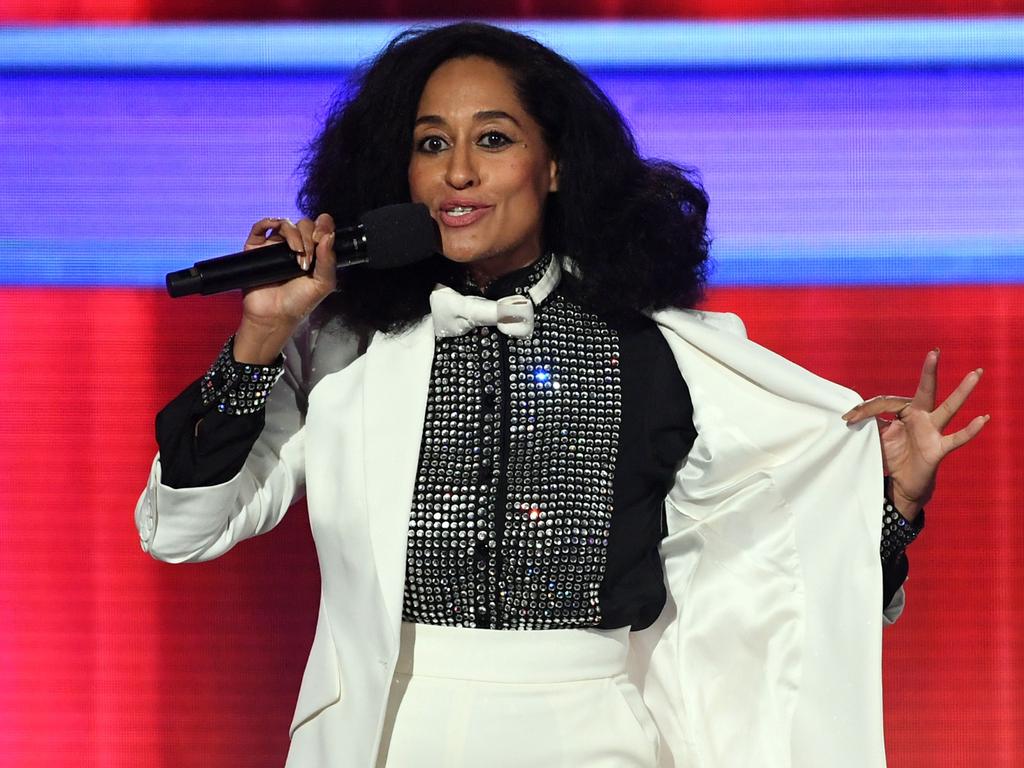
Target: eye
<point>431,145</point>
<point>494,140</point>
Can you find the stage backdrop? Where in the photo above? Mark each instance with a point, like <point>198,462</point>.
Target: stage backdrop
<point>867,188</point>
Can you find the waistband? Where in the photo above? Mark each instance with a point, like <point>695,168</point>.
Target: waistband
<point>512,656</point>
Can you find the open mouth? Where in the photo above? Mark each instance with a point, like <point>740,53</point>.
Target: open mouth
<point>462,215</point>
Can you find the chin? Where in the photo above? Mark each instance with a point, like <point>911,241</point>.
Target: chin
<point>465,254</point>
<point>499,258</point>
<point>460,257</point>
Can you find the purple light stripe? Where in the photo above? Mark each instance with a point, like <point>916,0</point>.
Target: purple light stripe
<point>808,165</point>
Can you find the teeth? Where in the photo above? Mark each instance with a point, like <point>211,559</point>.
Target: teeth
<point>460,210</point>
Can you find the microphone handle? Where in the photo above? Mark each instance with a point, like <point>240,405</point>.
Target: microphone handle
<point>273,263</point>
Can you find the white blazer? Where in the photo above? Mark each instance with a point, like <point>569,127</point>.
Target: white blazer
<point>768,652</point>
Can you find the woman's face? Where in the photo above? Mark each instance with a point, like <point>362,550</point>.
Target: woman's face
<point>480,164</point>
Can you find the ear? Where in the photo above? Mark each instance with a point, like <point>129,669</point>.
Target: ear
<point>553,175</point>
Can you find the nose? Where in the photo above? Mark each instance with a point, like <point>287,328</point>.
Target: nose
<point>461,172</point>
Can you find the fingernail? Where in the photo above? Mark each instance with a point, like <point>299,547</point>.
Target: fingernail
<point>979,371</point>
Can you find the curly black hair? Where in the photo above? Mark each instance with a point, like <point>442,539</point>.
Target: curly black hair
<point>634,229</point>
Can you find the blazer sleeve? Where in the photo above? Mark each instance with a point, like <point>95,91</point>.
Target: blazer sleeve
<point>194,524</point>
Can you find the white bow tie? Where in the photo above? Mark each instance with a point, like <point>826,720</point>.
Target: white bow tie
<point>454,314</point>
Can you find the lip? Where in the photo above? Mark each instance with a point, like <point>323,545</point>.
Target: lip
<point>465,219</point>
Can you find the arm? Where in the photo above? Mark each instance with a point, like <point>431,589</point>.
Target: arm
<point>913,446</point>
<point>200,510</point>
<point>897,535</point>
<point>234,479</point>
<point>206,432</point>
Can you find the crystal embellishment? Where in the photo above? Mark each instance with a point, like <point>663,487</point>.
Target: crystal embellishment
<point>513,500</point>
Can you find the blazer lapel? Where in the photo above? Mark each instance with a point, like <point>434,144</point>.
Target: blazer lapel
<point>394,399</point>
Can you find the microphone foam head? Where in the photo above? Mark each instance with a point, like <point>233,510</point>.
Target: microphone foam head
<point>401,234</point>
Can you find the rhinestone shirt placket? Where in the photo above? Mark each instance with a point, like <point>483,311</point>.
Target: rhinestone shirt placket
<point>514,496</point>
<point>501,480</point>
<point>563,442</point>
<point>493,430</point>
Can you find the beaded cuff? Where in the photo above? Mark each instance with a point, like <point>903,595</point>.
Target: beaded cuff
<point>897,532</point>
<point>238,388</point>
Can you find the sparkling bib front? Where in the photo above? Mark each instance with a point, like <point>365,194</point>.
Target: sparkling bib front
<point>513,501</point>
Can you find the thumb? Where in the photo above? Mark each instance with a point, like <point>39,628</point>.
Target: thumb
<point>325,266</point>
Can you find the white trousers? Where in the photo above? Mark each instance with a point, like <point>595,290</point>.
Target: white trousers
<point>466,698</point>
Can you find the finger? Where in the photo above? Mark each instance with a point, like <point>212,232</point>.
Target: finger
<point>323,236</point>
<point>945,412</point>
<point>884,425</point>
<point>258,232</point>
<point>951,442</point>
<point>324,225</point>
<point>261,226</point>
<point>924,398</point>
<point>324,268</point>
<point>876,406</point>
<point>288,232</point>
<point>305,229</point>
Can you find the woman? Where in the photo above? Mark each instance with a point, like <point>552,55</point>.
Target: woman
<point>685,514</point>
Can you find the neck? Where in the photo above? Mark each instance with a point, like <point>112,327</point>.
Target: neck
<point>483,274</point>
<point>482,279</point>
<point>517,281</point>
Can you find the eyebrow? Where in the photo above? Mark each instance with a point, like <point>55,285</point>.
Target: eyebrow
<point>482,116</point>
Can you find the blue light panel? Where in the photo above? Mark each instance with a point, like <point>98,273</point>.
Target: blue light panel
<point>592,44</point>
<point>122,168</point>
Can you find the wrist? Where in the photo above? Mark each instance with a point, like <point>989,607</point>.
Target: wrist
<point>236,388</point>
<point>908,507</point>
<point>257,343</point>
<point>898,532</point>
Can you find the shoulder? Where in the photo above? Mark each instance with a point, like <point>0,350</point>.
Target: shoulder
<point>321,346</point>
<point>680,319</point>
<point>645,351</point>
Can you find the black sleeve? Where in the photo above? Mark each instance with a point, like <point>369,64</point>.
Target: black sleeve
<point>200,446</point>
<point>894,573</point>
<point>895,564</point>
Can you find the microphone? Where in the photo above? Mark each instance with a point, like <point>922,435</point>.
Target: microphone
<point>388,237</point>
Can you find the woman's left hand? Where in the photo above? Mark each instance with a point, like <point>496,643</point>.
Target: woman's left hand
<point>913,444</point>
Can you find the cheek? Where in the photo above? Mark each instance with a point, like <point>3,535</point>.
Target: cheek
<point>417,183</point>
<point>529,182</point>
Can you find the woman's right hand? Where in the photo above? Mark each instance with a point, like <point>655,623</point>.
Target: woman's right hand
<point>271,313</point>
